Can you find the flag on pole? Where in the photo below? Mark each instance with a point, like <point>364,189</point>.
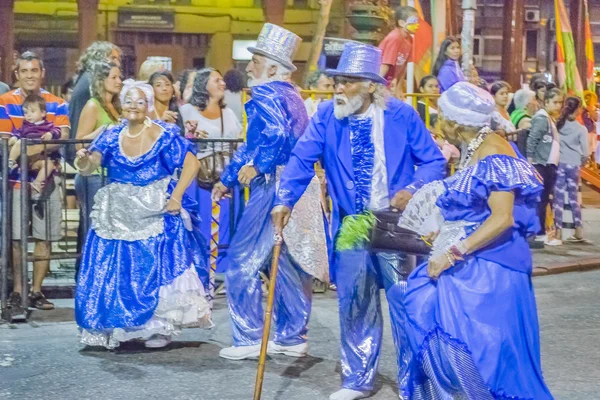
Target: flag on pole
<point>589,51</point>
<point>568,74</point>
<point>422,45</point>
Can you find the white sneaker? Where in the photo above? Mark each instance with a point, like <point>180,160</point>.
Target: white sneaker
<point>349,394</point>
<point>298,350</point>
<point>240,352</point>
<point>541,238</point>
<point>157,341</point>
<point>553,242</point>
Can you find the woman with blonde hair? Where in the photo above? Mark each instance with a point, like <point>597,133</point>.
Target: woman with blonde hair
<point>149,67</point>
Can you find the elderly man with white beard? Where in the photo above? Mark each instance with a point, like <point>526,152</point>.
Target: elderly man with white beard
<point>276,120</point>
<point>376,154</point>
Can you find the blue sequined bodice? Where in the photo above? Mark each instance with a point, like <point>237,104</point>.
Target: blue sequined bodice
<point>468,191</point>
<point>162,160</point>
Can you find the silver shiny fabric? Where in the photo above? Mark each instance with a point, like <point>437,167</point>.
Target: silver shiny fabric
<point>305,233</point>
<point>379,187</point>
<point>123,211</point>
<point>278,44</point>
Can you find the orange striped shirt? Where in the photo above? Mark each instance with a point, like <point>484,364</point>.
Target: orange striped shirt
<point>11,111</point>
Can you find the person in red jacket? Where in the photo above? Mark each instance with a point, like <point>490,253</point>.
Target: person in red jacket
<point>397,47</point>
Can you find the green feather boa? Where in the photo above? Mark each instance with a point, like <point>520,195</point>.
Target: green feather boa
<point>355,231</point>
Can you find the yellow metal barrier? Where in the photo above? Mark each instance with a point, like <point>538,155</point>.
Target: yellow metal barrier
<point>427,100</point>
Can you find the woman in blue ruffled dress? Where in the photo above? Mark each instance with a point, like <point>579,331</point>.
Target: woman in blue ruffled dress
<point>144,266</point>
<point>471,311</point>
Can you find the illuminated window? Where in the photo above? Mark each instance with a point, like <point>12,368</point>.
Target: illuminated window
<point>240,49</point>
<point>166,62</point>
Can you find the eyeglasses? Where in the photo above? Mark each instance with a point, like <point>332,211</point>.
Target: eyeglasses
<point>137,103</point>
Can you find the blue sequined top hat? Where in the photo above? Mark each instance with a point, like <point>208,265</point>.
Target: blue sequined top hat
<point>359,60</point>
<point>277,44</point>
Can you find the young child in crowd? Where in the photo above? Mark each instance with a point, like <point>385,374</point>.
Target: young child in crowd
<point>35,126</point>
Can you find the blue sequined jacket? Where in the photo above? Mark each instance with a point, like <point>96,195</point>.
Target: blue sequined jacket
<point>276,120</point>
<point>412,158</point>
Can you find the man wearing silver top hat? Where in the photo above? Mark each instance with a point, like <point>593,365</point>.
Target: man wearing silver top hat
<point>376,154</point>
<point>276,120</point>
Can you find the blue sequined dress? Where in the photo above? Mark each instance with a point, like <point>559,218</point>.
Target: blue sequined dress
<point>143,272</point>
<point>474,332</point>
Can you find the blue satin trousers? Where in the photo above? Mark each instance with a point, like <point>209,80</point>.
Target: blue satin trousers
<point>360,276</point>
<point>251,252</point>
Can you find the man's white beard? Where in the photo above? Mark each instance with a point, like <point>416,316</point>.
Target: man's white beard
<point>264,78</point>
<point>351,106</point>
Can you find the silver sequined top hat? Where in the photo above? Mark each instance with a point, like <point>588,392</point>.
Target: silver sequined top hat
<point>277,44</point>
<point>467,104</point>
<point>359,60</point>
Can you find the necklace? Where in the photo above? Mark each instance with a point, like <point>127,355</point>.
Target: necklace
<point>129,135</point>
<point>474,144</point>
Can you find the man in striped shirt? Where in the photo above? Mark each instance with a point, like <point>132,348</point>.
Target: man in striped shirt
<point>30,73</point>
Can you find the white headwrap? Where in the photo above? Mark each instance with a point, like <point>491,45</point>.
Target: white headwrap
<point>467,104</point>
<point>141,85</point>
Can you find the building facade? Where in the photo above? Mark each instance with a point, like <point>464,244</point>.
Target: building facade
<point>181,33</point>
<point>537,35</point>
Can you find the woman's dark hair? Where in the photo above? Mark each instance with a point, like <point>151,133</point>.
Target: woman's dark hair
<point>538,76</point>
<point>235,80</point>
<point>68,85</point>
<point>442,57</point>
<point>552,93</point>
<point>572,104</point>
<point>499,85</point>
<point>200,95</point>
<point>165,74</point>
<point>538,84</point>
<point>482,84</point>
<point>426,79</point>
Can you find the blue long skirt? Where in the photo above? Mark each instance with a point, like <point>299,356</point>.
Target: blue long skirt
<point>474,333</point>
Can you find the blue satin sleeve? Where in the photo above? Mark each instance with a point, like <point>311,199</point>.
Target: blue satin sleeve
<point>173,155</point>
<point>106,141</point>
<point>276,136</point>
<point>300,168</point>
<point>427,157</point>
<point>242,156</point>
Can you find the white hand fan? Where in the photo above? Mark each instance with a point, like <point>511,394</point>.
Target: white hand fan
<point>421,214</point>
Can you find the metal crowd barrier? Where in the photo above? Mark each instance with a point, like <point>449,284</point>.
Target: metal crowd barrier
<point>5,248</point>
<point>71,219</point>
<point>68,225</point>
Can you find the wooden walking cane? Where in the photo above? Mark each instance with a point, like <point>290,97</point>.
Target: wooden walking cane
<point>267,329</point>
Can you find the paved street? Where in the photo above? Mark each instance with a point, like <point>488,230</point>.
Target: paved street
<point>45,362</point>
